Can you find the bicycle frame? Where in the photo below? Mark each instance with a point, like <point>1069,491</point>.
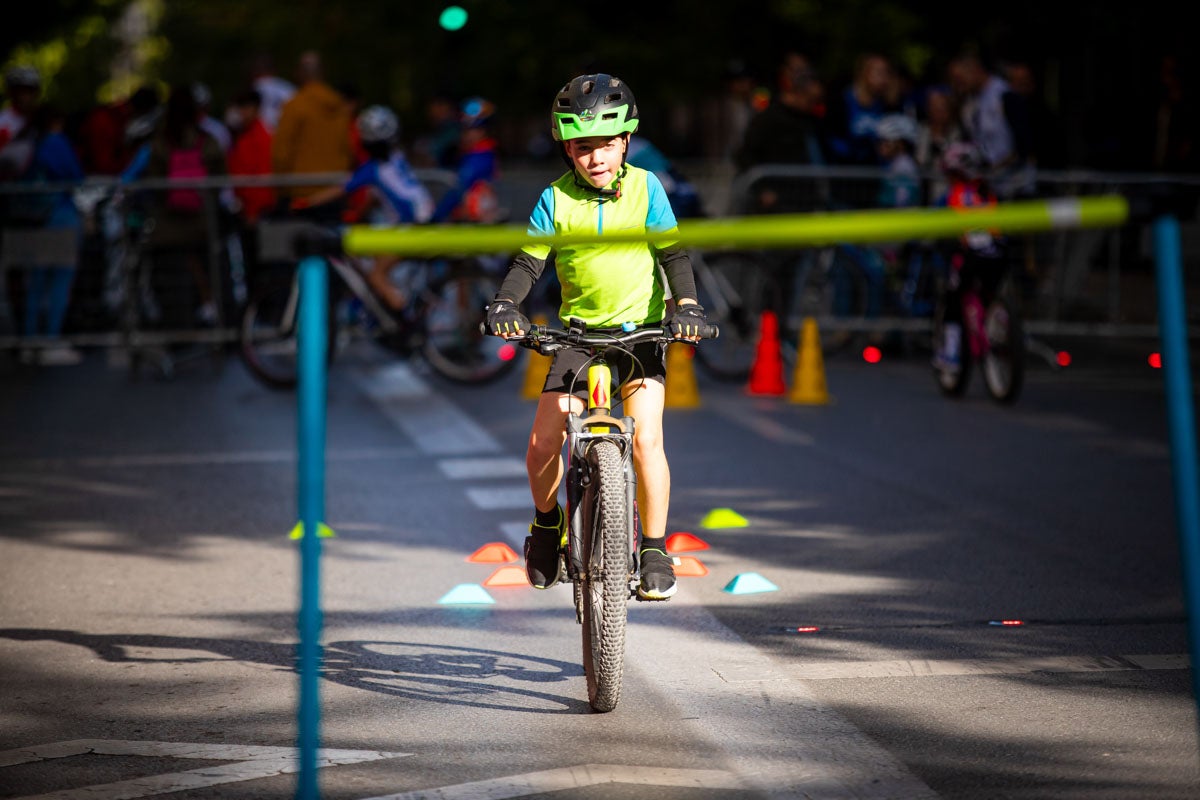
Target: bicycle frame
<point>582,432</point>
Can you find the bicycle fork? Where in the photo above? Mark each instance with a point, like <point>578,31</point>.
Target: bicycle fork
<point>582,432</point>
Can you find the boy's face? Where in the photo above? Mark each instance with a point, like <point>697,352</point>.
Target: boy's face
<point>598,158</point>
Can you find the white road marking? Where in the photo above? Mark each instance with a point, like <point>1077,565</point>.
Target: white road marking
<point>204,459</point>
<point>501,498</point>
<point>248,763</point>
<point>432,421</point>
<point>773,731</point>
<point>471,468</point>
<point>578,777</point>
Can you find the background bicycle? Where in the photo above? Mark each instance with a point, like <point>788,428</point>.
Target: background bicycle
<point>439,321</point>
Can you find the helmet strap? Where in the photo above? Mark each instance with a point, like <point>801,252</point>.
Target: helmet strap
<point>614,192</point>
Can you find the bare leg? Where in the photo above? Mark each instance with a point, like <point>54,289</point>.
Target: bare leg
<point>649,456</point>
<point>543,459</point>
<point>380,279</point>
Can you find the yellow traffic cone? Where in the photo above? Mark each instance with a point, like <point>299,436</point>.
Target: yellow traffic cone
<point>808,382</point>
<point>536,368</point>
<point>681,377</point>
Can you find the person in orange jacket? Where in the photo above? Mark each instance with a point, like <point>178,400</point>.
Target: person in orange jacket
<point>312,135</point>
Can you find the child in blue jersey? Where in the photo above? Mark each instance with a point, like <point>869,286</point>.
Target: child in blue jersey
<point>605,285</point>
<point>473,196</point>
<point>398,196</point>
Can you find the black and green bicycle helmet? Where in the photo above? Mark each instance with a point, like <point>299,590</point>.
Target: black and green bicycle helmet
<point>593,105</point>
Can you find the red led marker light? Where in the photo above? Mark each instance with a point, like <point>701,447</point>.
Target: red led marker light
<point>872,355</point>
<point>507,352</point>
<point>807,629</point>
<point>1007,623</point>
<point>1063,358</point>
<point>1155,360</point>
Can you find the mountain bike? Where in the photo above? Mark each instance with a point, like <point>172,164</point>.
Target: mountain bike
<point>439,320</point>
<point>600,554</point>
<point>985,329</point>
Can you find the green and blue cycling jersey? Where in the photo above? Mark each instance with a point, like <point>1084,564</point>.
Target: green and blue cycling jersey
<point>605,284</point>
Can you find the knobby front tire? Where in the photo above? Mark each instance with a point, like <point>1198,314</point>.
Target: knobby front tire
<point>1003,366</point>
<point>606,586</point>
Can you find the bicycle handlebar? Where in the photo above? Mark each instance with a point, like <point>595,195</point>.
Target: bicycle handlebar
<point>547,340</point>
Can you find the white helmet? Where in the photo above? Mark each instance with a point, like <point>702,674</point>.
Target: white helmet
<point>897,127</point>
<point>378,124</point>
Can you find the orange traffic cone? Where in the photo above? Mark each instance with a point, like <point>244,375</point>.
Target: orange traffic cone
<point>766,374</point>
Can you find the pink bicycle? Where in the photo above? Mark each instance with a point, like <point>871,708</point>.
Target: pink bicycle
<point>977,322</point>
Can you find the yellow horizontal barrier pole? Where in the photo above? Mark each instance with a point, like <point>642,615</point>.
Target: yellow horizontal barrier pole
<point>758,232</point>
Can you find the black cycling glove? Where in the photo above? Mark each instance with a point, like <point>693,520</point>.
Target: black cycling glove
<point>688,321</point>
<point>505,319</point>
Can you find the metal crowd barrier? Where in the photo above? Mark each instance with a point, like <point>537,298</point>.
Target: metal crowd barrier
<point>1097,282</point>
<point>131,296</point>
<point>1088,282</point>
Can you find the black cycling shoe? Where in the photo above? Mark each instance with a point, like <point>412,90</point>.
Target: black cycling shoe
<point>543,566</point>
<point>658,576</point>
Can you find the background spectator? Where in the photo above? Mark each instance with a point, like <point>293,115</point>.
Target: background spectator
<point>788,131</point>
<point>181,150</point>
<point>937,129</point>
<point>473,196</point>
<point>101,143</point>
<point>23,85</point>
<point>48,287</point>
<point>250,154</point>
<point>273,90</point>
<point>995,120</point>
<point>208,123</point>
<point>313,130</point>
<point>439,147</point>
<point>857,109</point>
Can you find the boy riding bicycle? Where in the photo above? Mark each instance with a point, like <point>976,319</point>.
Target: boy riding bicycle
<point>606,286</point>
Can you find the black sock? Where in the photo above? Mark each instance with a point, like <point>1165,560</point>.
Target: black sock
<point>659,544</point>
<point>547,519</point>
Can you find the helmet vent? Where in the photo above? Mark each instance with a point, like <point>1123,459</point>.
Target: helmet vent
<point>609,115</point>
<point>588,87</point>
<point>612,98</point>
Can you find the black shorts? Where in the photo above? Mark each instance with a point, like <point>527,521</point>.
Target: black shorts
<point>568,364</point>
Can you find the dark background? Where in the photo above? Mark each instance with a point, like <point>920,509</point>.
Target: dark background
<point>1098,64</point>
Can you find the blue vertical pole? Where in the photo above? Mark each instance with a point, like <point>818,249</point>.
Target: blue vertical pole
<point>1172,325</point>
<point>313,336</point>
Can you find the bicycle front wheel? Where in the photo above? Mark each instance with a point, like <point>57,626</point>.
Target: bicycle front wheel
<point>1003,364</point>
<point>605,587</point>
<point>268,338</point>
<point>454,345</point>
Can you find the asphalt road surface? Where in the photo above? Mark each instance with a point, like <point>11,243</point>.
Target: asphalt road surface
<point>148,594</point>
